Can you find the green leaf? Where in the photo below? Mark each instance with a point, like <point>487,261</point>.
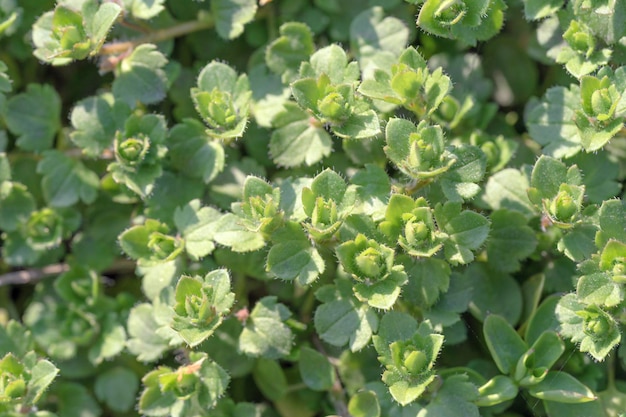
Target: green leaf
<point>74,400</point>
<point>562,387</point>
<point>269,94</point>
<point>612,221</point>
<point>144,340</point>
<point>98,26</point>
<point>140,77</point>
<point>270,378</point>
<point>34,116</point>
<point>497,390</point>
<point>297,140</point>
<point>198,226</point>
<point>505,345</point>
<point>598,288</point>
<point>294,45</point>
<point>538,9</point>
<point>110,342</point>
<point>455,398</point>
<point>146,9</point>
<point>551,121</point>
<point>266,333</point>
<point>229,231</point>
<point>372,34</point>
<point>95,120</point>
<point>460,181</point>
<point>117,388</point>
<point>340,322</point>
<point>316,371</point>
<point>41,376</point>
<point>429,279</point>
<point>494,293</point>
<point>467,231</point>
<point>511,240</point>
<point>364,404</point>
<point>507,190</point>
<point>66,180</point>
<point>16,205</point>
<point>292,257</point>
<point>232,15</point>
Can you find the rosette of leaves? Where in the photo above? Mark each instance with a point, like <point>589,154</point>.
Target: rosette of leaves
<point>259,210</point>
<point>78,315</point>
<point>222,99</point>
<point>327,202</point>
<point>468,21</point>
<point>603,107</point>
<point>65,34</point>
<point>410,84</point>
<point>32,234</point>
<point>371,264</point>
<point>557,191</point>
<point>594,329</point>
<point>326,89</point>
<point>139,150</point>
<point>581,54</point>
<point>151,243</point>
<point>24,377</point>
<point>191,390</point>
<point>200,305</point>
<point>419,152</point>
<point>23,381</point>
<point>410,223</point>
<point>408,354</point>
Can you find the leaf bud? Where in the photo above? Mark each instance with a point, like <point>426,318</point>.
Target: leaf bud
<point>132,151</point>
<point>164,247</point>
<point>44,229</point>
<point>334,107</point>
<point>564,206</point>
<point>450,12</point>
<point>580,38</point>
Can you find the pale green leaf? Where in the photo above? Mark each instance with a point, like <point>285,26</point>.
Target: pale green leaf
<point>66,180</point>
<point>34,116</point>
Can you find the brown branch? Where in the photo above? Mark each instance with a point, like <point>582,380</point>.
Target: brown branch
<point>160,35</point>
<point>31,276</point>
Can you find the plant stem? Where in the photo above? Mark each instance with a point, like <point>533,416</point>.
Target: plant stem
<point>157,36</point>
<point>30,276</point>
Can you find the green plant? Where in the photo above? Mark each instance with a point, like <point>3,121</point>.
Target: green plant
<point>312,208</point>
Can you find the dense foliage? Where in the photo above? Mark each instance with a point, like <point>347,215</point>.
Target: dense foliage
<point>304,208</point>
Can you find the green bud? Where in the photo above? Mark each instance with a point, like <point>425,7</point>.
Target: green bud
<point>416,232</point>
<point>370,263</point>
<point>44,229</point>
<point>131,152</point>
<point>164,247</point>
<point>596,326</point>
<point>221,111</point>
<point>416,362</point>
<point>14,389</point>
<point>81,328</point>
<point>564,207</point>
<point>580,38</point>
<point>450,12</point>
<point>324,213</point>
<point>604,102</point>
<point>334,107</point>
